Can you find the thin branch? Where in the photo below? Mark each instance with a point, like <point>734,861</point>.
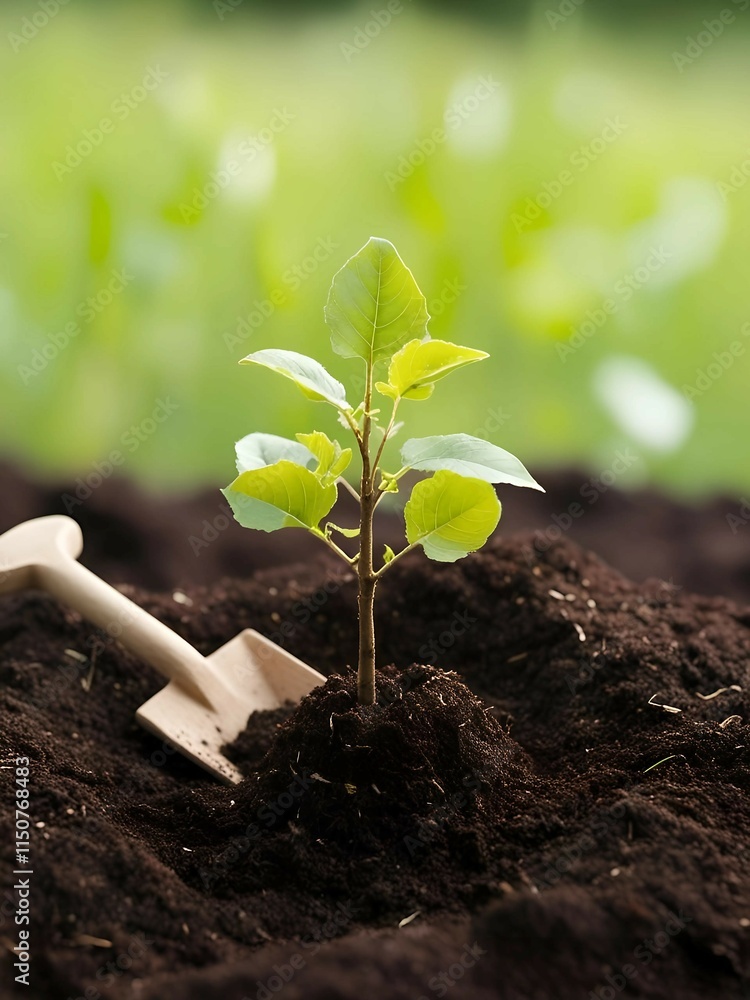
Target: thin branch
<point>377,502</point>
<point>401,472</point>
<point>386,435</point>
<point>399,555</point>
<point>355,429</point>
<point>365,574</point>
<point>351,560</point>
<point>348,485</point>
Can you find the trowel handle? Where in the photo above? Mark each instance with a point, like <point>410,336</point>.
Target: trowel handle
<point>49,547</point>
<point>121,619</point>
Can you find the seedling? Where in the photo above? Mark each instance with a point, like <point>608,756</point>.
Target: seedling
<point>377,314</point>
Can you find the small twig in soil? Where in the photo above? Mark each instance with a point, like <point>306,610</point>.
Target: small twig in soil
<point>732,718</point>
<point>88,680</point>
<point>715,694</point>
<point>667,708</point>
<point>90,941</point>
<point>517,657</point>
<point>664,760</point>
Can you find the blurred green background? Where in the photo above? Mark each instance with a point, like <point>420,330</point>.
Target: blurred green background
<point>180,181</point>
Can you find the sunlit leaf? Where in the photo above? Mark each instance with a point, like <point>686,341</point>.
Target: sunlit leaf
<point>451,516</point>
<point>374,305</point>
<point>332,459</point>
<point>346,532</point>
<point>307,374</point>
<point>254,451</point>
<point>468,456</point>
<point>417,392</point>
<point>420,363</point>
<point>388,555</point>
<point>283,495</point>
<point>341,463</point>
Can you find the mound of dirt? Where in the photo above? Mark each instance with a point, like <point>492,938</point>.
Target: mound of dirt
<point>421,753</point>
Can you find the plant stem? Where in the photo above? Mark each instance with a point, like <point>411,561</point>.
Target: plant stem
<point>365,573</point>
<point>383,443</point>
<point>353,425</point>
<point>367,584</point>
<point>334,547</point>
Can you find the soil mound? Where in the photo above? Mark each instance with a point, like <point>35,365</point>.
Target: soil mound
<point>427,759</point>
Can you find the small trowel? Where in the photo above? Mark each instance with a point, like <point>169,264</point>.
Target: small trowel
<point>208,699</point>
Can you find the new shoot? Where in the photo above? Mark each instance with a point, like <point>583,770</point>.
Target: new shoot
<point>376,315</point>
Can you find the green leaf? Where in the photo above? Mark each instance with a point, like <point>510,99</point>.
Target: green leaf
<point>374,305</point>
<point>307,374</point>
<point>420,363</point>
<point>386,390</point>
<point>389,555</point>
<point>451,516</point>
<point>254,451</point>
<point>346,532</point>
<point>283,495</point>
<point>389,484</point>
<point>418,392</point>
<point>468,456</point>
<point>332,459</point>
<point>341,463</point>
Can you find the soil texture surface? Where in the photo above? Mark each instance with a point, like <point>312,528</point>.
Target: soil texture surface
<point>549,801</point>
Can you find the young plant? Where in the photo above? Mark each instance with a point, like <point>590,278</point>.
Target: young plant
<point>377,314</point>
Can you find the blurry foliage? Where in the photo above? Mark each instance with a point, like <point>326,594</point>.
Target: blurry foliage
<point>332,147</point>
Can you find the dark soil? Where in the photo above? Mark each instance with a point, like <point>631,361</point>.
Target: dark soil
<point>561,837</point>
<point>251,746</point>
<point>419,756</point>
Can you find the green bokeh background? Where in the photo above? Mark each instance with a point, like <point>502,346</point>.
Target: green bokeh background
<point>328,179</point>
